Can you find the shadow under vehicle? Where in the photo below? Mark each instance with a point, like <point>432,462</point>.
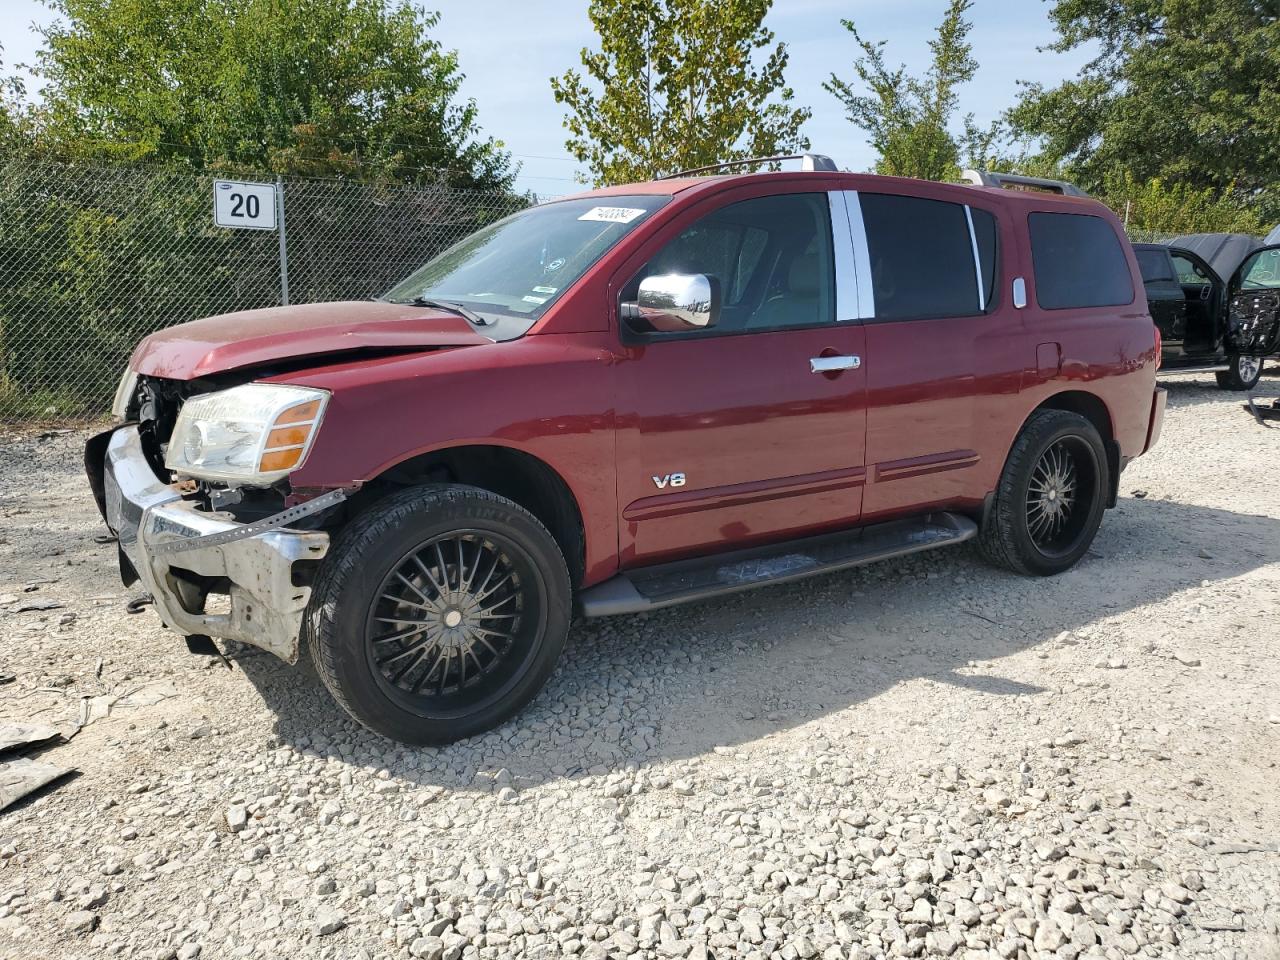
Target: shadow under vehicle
<point>1209,324</point>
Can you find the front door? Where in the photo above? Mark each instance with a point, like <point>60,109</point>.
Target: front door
<point>729,436</point>
<point>1253,302</point>
<point>1166,298</point>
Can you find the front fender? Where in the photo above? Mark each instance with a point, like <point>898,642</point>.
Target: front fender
<point>548,396</point>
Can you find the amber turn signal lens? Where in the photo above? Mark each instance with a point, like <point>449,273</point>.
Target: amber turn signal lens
<point>287,437</point>
<point>302,413</point>
<point>280,459</point>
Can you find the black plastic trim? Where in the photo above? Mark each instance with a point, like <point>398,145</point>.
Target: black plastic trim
<point>639,590</point>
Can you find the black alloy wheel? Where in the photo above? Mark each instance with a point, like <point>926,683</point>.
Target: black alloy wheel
<point>439,612</point>
<point>1050,498</point>
<point>1064,474</point>
<point>454,621</point>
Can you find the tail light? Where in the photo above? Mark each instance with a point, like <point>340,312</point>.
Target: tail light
<point>1159,347</point>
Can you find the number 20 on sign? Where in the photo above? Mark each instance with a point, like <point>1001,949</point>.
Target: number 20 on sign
<point>250,206</point>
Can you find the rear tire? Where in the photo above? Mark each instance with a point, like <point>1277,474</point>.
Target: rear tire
<point>1050,498</point>
<point>439,613</point>
<point>1243,374</point>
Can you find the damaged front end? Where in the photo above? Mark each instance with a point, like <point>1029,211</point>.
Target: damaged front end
<point>218,560</point>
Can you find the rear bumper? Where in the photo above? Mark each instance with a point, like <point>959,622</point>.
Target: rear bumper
<point>1158,400</point>
<point>266,606</point>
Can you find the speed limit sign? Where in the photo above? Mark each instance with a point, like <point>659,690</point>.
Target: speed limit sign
<point>250,206</point>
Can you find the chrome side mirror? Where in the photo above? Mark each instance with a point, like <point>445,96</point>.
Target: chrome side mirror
<point>678,302</point>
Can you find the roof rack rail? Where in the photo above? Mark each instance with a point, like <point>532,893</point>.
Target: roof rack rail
<point>1016,181</point>
<point>810,162</point>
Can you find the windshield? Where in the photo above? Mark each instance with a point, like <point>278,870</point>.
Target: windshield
<point>512,271</point>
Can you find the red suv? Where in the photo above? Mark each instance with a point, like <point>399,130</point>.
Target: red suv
<point>627,399</point>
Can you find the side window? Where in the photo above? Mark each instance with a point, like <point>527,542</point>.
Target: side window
<point>1261,271</point>
<point>1154,265</point>
<point>772,257</point>
<point>1078,262</point>
<point>754,240</point>
<point>922,256</point>
<point>1189,272</point>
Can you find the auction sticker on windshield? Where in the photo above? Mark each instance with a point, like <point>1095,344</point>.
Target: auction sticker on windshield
<point>613,214</point>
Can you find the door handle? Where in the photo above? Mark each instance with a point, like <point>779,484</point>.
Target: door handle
<point>832,364</point>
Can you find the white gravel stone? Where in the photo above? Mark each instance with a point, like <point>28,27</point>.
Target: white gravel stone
<point>327,920</point>
<point>849,767</point>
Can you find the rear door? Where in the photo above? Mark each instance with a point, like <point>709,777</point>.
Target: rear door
<point>1165,297</point>
<point>942,349</point>
<point>729,436</point>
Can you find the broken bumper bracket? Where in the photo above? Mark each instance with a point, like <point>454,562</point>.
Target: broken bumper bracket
<point>162,535</point>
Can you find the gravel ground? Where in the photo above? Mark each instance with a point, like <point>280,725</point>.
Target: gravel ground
<point>923,758</point>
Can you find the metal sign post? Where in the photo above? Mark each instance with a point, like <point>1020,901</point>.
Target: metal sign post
<point>244,205</point>
<point>284,245</point>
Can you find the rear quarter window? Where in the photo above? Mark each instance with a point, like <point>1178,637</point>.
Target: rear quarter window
<point>1078,262</point>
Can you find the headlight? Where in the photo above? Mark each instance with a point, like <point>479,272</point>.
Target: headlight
<point>251,435</point>
<point>124,393</point>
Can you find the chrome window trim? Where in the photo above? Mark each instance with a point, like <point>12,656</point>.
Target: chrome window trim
<point>861,256</point>
<point>842,248</point>
<point>977,261</point>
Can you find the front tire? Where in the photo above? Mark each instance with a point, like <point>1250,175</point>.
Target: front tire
<point>439,613</point>
<point>1050,498</point>
<point>1243,373</point>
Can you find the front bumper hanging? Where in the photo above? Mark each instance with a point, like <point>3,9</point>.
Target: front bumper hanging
<point>161,535</point>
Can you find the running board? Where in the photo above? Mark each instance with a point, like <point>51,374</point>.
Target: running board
<point>651,588</point>
<point>1185,371</point>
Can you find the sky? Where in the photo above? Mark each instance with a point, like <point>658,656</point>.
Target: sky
<point>509,49</point>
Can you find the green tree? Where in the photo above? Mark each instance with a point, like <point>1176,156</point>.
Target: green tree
<point>321,87</point>
<point>1187,91</point>
<point>681,89</point>
<point>908,119</point>
<point>14,115</point>
<point>1154,206</point>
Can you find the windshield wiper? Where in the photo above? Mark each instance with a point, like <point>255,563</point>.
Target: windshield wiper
<point>452,307</point>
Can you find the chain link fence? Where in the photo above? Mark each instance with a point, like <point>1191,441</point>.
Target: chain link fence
<point>1149,236</point>
<point>93,257</point>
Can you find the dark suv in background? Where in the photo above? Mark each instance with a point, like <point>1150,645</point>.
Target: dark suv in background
<point>1215,298</point>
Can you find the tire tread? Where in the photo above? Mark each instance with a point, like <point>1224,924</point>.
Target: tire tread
<point>998,538</point>
<point>342,561</point>
<point>1231,379</point>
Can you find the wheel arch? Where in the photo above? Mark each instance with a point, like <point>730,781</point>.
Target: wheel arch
<point>1094,409</point>
<point>507,471</point>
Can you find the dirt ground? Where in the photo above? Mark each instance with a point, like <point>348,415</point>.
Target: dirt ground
<point>924,758</point>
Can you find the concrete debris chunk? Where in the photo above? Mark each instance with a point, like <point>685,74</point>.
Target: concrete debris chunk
<point>148,695</point>
<point>17,735</point>
<point>21,777</point>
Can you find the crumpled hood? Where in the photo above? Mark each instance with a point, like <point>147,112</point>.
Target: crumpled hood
<point>233,341</point>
